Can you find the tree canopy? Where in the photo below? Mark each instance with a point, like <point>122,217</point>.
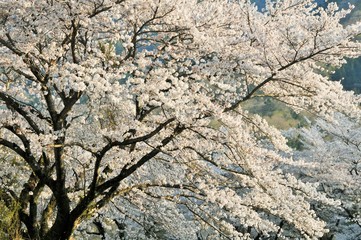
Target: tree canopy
<point>131,112</point>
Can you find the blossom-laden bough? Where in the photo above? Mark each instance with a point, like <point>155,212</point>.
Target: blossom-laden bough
<point>132,111</point>
<point>333,158</point>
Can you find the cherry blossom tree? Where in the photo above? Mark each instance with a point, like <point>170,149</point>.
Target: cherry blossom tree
<point>332,150</point>
<point>131,112</point>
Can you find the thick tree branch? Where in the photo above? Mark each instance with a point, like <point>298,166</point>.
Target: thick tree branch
<point>272,77</point>
<point>127,171</point>
<point>10,45</point>
<point>17,131</point>
<point>101,8</point>
<point>68,104</point>
<point>22,109</point>
<point>30,160</point>
<point>46,216</point>
<point>74,33</point>
<point>127,142</point>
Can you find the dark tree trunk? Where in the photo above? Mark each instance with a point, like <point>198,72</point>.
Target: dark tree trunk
<point>61,230</point>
